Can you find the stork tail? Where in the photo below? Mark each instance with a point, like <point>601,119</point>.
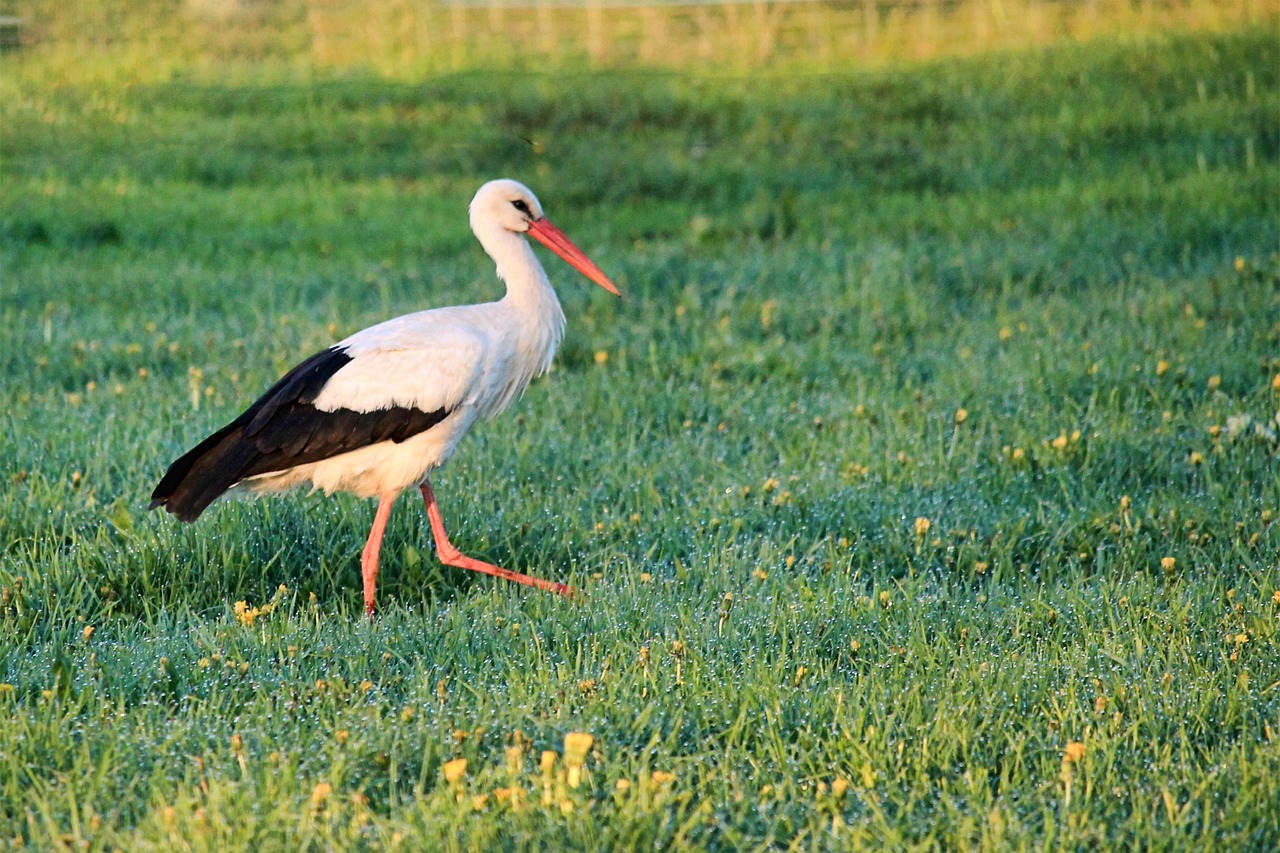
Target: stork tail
<point>204,473</point>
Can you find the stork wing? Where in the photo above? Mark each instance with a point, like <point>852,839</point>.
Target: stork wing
<point>351,395</point>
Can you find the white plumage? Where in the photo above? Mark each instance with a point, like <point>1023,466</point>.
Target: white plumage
<point>377,412</point>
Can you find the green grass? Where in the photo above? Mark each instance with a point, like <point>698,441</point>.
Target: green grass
<point>1077,247</point>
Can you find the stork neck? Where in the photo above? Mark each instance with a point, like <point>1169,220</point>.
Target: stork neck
<point>529,295</point>
<point>527,283</point>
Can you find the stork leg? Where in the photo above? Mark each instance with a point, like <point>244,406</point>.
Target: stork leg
<point>369,556</point>
<point>451,556</point>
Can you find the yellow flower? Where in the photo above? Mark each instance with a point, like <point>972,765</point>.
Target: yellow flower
<point>602,356</point>
<point>248,615</point>
<point>662,777</point>
<point>547,760</point>
<point>1162,367</point>
<point>341,735</point>
<point>854,471</point>
<point>922,526</point>
<point>838,786</point>
<point>1074,751</point>
<point>962,415</point>
<point>1239,264</point>
<point>766,313</point>
<point>319,794</point>
<point>455,770</point>
<point>1018,453</point>
<point>87,632</point>
<point>1214,381</point>
<point>1167,563</point>
<point>770,484</point>
<point>1060,442</point>
<point>1196,458</point>
<point>577,745</point>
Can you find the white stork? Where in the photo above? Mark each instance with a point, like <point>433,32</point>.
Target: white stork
<point>376,413</point>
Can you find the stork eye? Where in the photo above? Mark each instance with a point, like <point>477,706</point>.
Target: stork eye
<point>520,205</point>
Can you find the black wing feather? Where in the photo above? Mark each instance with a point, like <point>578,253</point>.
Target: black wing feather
<point>281,430</point>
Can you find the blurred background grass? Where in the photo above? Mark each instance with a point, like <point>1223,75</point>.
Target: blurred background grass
<point>405,39</point>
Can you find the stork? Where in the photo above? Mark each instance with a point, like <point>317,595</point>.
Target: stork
<point>376,413</point>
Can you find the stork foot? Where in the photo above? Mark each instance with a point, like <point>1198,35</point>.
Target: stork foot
<point>451,556</point>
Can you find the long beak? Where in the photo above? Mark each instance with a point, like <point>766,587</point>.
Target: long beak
<point>553,238</point>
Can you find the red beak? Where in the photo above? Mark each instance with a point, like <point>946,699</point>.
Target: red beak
<point>553,238</point>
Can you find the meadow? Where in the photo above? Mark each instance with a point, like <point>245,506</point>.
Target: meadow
<point>923,488</point>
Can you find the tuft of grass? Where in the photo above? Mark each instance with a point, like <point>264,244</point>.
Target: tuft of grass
<point>825,609</point>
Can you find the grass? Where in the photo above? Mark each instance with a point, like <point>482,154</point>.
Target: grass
<point>923,487</point>
<point>237,39</point>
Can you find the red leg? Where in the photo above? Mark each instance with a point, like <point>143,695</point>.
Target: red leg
<point>451,556</point>
<point>369,557</point>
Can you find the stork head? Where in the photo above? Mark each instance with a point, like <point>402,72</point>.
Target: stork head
<point>511,206</point>
<point>506,203</point>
